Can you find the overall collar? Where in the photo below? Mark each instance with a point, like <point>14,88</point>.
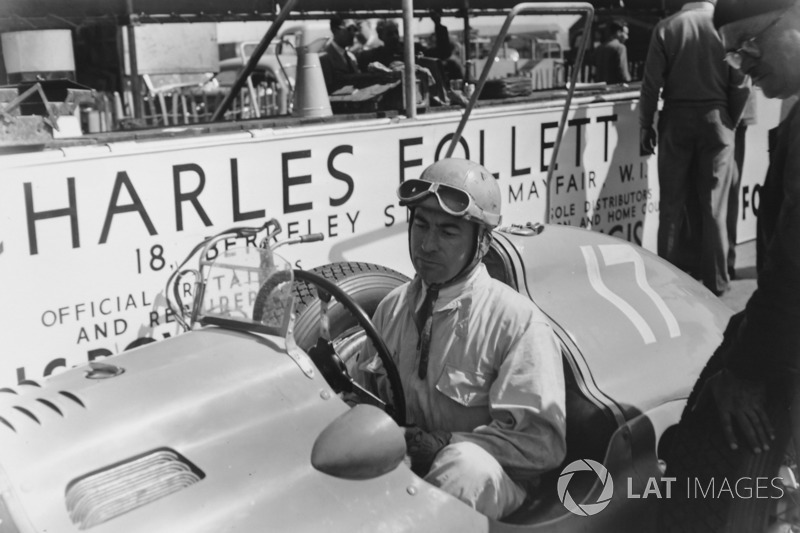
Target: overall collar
<point>450,296</point>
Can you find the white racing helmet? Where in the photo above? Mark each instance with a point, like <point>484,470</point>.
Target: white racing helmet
<point>463,189</point>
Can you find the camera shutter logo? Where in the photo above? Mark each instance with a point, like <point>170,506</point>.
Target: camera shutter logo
<point>587,509</point>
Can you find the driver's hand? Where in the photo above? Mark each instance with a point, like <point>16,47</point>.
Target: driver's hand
<point>422,447</point>
<point>743,401</point>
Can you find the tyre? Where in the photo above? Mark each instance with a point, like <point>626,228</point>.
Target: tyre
<point>268,307</point>
<point>366,283</point>
<point>717,489</point>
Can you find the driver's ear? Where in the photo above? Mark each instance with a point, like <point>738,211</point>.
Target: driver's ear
<point>484,240</point>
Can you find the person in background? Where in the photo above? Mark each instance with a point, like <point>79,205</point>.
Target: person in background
<point>336,60</point>
<point>438,58</point>
<point>611,57</point>
<point>454,65</point>
<point>703,100</point>
<point>480,365</point>
<point>361,41</point>
<point>762,40</point>
<point>390,49</point>
<point>442,47</point>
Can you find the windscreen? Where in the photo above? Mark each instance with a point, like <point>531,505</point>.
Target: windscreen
<point>248,288</point>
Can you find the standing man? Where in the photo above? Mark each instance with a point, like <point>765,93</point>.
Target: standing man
<point>480,365</point>
<point>762,39</point>
<point>702,103</point>
<point>337,61</point>
<point>611,57</point>
<point>755,390</point>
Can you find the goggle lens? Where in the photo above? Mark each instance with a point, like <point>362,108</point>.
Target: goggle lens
<point>456,200</point>
<point>410,190</point>
<point>453,200</point>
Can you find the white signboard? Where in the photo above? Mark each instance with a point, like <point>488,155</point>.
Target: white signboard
<point>90,234</point>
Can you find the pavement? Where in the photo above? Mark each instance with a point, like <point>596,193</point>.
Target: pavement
<point>745,283</point>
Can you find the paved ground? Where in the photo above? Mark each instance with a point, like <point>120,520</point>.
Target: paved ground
<point>745,283</point>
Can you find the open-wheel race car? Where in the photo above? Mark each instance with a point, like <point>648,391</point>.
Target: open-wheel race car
<point>245,422</point>
<point>240,423</point>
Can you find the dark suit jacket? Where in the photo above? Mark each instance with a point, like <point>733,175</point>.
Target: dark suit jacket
<point>611,62</point>
<point>335,68</point>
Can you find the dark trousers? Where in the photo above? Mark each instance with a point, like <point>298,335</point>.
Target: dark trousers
<point>695,157</point>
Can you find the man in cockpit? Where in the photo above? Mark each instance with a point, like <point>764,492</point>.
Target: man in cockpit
<point>479,363</point>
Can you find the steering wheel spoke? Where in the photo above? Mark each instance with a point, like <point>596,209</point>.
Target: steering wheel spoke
<point>367,397</point>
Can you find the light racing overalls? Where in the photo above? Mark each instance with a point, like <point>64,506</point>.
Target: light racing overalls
<point>494,380</point>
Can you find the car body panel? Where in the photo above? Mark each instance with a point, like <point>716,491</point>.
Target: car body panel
<point>235,406</point>
<point>645,340</point>
<point>245,416</point>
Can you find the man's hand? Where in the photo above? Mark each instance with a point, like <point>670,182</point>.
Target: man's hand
<point>422,447</point>
<point>647,140</point>
<point>741,400</point>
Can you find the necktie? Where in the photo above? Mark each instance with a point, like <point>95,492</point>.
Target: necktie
<point>424,326</point>
<point>350,66</point>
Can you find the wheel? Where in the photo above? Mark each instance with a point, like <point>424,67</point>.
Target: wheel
<point>717,489</point>
<point>366,283</point>
<point>358,289</point>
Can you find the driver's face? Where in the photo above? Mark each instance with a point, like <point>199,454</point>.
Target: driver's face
<point>441,244</point>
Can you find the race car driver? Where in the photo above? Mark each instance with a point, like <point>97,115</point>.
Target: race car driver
<point>479,363</point>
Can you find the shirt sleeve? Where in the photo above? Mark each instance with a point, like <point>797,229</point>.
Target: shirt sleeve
<point>768,341</point>
<point>527,433</point>
<point>654,73</point>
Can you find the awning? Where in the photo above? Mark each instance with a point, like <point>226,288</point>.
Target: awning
<point>18,15</point>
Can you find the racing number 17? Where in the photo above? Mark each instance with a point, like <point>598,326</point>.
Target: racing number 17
<point>615,254</point>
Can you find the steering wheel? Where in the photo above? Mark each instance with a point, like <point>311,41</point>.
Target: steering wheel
<point>328,361</point>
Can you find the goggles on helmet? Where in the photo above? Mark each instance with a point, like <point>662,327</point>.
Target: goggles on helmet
<point>452,200</point>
